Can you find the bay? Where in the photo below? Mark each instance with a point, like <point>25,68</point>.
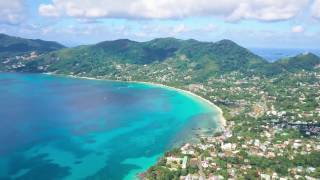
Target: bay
<point>55,127</point>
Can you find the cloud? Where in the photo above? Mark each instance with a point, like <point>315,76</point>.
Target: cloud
<point>184,31</point>
<point>297,29</point>
<point>231,10</point>
<point>12,11</point>
<point>209,28</point>
<point>49,10</point>
<point>181,28</point>
<point>316,9</point>
<point>268,10</point>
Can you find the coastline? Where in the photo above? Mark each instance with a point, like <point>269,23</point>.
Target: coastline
<point>221,120</point>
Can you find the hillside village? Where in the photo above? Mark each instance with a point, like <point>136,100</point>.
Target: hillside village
<point>273,131</point>
<point>18,61</point>
<point>272,109</point>
<point>273,123</point>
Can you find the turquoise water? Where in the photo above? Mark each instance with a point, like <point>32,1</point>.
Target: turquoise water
<point>64,128</point>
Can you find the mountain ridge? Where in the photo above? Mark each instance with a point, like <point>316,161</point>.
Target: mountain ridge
<point>12,46</point>
<point>225,54</point>
<point>207,58</point>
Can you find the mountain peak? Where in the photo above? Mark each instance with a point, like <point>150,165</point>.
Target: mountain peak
<point>226,42</point>
<point>115,44</point>
<point>6,36</point>
<point>120,41</point>
<point>307,54</point>
<point>165,39</point>
<point>3,35</point>
<point>11,45</point>
<point>305,61</point>
<point>123,40</point>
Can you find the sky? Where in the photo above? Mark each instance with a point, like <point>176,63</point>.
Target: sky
<point>251,23</point>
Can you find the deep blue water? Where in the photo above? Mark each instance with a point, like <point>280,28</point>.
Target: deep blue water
<point>64,128</point>
<point>273,54</point>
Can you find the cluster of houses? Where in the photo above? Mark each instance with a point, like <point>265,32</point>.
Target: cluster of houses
<point>265,145</point>
<point>240,92</point>
<point>19,61</point>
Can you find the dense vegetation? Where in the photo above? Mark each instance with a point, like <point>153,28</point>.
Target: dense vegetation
<point>15,46</point>
<point>257,97</point>
<point>223,56</point>
<point>202,59</point>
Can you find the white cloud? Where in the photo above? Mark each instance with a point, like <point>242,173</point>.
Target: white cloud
<point>181,28</point>
<point>316,9</point>
<point>209,28</point>
<point>11,11</point>
<point>48,10</point>
<point>268,10</point>
<point>232,10</point>
<point>297,29</point>
<point>149,31</point>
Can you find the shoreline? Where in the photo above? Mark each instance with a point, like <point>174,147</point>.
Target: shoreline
<point>221,120</point>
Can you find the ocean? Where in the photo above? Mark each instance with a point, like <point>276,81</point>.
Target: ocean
<point>55,127</point>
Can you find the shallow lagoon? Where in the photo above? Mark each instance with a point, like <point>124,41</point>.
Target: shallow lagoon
<point>65,128</point>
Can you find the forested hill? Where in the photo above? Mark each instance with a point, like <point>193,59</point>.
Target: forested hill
<point>162,59</point>
<point>219,57</point>
<point>306,61</point>
<point>12,46</point>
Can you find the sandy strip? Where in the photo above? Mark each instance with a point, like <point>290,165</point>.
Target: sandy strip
<point>221,119</point>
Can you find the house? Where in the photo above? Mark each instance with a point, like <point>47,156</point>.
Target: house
<point>265,177</point>
<point>205,164</point>
<point>191,177</point>
<point>215,178</point>
<point>184,162</point>
<point>171,159</point>
<point>228,146</point>
<point>296,145</point>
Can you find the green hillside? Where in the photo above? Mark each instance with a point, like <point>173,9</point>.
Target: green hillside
<point>10,45</point>
<point>162,59</point>
<point>219,57</point>
<point>306,61</point>
<point>272,109</point>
